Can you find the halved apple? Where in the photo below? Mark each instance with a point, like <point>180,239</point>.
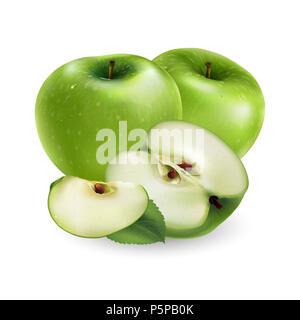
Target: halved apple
<point>95,209</point>
<point>195,179</point>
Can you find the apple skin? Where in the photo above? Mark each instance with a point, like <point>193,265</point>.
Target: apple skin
<point>78,99</point>
<point>230,103</point>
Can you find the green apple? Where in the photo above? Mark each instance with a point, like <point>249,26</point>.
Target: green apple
<point>196,183</point>
<point>95,209</point>
<point>89,94</point>
<point>217,94</point>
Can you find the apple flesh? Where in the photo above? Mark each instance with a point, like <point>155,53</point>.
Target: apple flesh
<point>195,193</point>
<point>87,95</point>
<point>173,196</point>
<point>217,94</point>
<point>95,209</point>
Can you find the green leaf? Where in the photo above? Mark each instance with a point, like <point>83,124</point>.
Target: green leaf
<point>150,228</point>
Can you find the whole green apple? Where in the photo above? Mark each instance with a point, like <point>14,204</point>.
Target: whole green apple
<point>89,94</point>
<point>217,94</point>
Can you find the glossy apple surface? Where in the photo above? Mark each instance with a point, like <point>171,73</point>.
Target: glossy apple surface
<point>229,103</point>
<point>79,99</point>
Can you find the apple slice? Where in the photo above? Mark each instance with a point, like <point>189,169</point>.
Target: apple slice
<point>171,195</point>
<point>95,209</point>
<point>196,183</point>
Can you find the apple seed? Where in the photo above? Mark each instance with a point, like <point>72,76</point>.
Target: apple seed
<point>99,188</point>
<point>186,166</point>
<point>214,201</point>
<point>172,174</point>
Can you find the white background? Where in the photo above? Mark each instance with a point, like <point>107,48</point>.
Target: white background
<point>254,254</point>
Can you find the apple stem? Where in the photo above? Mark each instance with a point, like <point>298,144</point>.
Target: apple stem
<point>99,188</point>
<point>208,68</point>
<point>214,201</point>
<point>111,69</point>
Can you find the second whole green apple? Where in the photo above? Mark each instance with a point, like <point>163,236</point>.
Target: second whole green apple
<point>217,94</point>
<point>89,94</point>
